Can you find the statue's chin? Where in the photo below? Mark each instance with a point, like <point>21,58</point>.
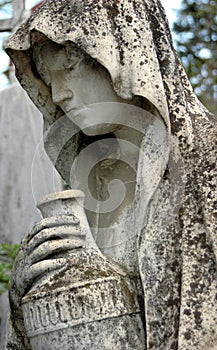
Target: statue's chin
<point>95,130</point>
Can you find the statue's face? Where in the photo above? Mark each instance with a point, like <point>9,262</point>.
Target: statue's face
<point>76,83</point>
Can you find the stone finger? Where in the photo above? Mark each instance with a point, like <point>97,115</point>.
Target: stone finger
<point>62,232</point>
<point>54,247</point>
<point>53,221</point>
<point>27,278</point>
<point>44,266</point>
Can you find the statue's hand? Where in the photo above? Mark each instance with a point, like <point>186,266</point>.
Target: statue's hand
<point>42,251</point>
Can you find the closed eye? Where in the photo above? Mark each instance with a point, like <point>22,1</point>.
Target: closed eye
<point>45,77</point>
<point>72,63</point>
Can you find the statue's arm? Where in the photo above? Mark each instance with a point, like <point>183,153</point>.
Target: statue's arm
<point>12,340</point>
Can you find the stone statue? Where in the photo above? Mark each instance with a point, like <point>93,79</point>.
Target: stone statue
<point>123,125</point>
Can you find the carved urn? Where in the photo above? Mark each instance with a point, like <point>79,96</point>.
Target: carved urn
<point>89,304</point>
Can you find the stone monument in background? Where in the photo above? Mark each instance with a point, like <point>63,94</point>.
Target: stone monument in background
<point>127,258</point>
<point>21,151</point>
<point>21,124</point>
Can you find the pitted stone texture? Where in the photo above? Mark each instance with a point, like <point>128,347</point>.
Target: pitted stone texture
<point>177,247</point>
<point>88,295</point>
<point>117,334</point>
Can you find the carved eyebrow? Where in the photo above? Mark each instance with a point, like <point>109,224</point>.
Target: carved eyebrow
<point>73,52</point>
<point>72,61</point>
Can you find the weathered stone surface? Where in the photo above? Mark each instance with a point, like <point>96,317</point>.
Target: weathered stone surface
<point>175,248</point>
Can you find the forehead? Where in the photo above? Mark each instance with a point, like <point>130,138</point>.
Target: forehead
<point>55,56</point>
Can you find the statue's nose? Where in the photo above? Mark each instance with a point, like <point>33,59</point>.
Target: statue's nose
<point>60,93</point>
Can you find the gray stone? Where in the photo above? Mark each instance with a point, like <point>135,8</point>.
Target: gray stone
<point>148,174</point>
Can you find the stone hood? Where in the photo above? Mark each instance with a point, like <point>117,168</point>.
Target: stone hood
<point>130,39</point>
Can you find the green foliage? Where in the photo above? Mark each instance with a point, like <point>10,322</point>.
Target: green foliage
<point>196,32</point>
<point>7,256</point>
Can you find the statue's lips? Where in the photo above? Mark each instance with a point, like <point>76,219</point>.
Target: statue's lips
<point>94,120</point>
<point>106,117</point>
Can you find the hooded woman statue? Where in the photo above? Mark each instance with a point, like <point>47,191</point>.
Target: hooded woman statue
<point>112,63</point>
